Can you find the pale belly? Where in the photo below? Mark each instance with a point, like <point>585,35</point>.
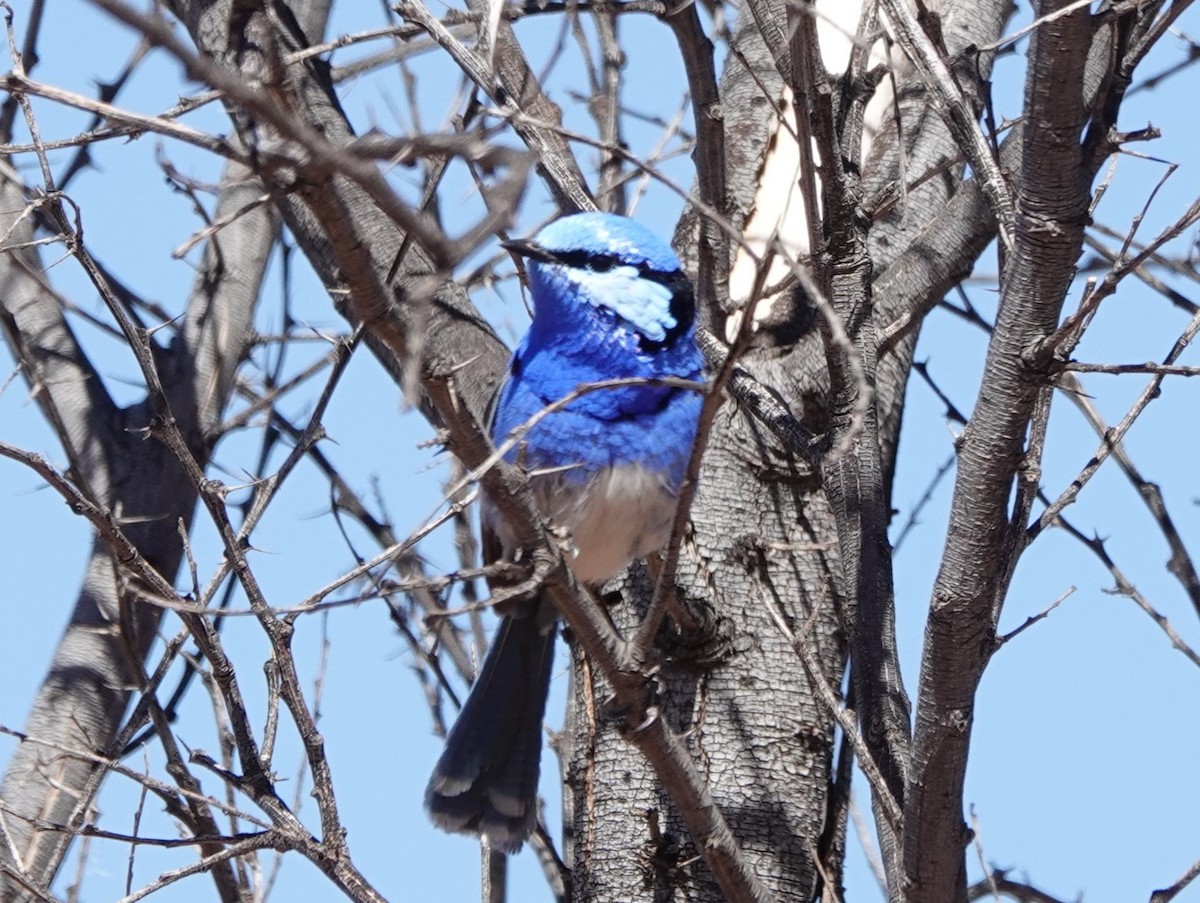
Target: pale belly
<point>621,514</point>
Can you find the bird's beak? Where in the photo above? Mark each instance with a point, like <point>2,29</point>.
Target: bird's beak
<point>525,247</point>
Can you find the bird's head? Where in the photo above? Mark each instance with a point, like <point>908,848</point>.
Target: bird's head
<point>608,265</point>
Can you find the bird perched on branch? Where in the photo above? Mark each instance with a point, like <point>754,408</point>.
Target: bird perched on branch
<point>610,302</point>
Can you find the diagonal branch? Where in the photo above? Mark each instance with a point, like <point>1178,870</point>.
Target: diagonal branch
<point>959,116</point>
<point>512,86</point>
<point>82,700</point>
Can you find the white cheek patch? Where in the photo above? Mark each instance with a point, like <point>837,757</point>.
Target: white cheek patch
<point>642,303</point>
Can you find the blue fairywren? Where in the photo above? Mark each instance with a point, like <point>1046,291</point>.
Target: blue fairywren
<point>610,301</point>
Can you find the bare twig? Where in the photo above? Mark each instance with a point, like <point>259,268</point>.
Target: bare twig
<point>1166,894</point>
<point>954,109</point>
<point>1114,436</point>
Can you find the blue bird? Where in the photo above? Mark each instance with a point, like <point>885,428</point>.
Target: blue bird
<point>610,301</point>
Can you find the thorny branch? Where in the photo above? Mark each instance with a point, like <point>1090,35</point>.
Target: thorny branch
<point>498,70</point>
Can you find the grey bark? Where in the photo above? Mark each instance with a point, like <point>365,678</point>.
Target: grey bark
<point>764,546</point>
<point>82,700</point>
<point>420,323</point>
<point>786,507</point>
<point>81,703</point>
<point>1052,204</point>
<point>764,569</point>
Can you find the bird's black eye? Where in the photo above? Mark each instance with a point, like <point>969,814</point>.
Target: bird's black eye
<point>587,260</point>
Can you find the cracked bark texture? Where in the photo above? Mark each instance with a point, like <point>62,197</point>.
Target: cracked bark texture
<point>764,543</point>
<point>761,568</point>
<point>1052,202</point>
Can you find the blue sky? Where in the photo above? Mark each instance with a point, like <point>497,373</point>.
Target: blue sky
<point>1082,771</point>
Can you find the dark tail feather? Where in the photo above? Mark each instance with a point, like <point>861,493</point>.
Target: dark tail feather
<point>486,779</point>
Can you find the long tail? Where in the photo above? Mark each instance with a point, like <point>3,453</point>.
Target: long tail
<point>486,780</point>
